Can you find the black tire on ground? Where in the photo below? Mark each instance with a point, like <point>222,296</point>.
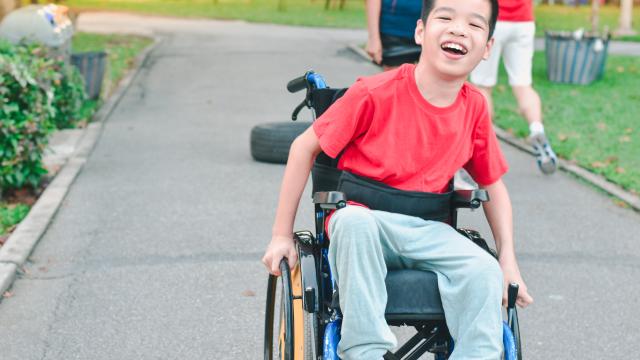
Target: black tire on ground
<point>270,142</point>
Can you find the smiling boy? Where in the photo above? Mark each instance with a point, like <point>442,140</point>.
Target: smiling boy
<point>411,129</point>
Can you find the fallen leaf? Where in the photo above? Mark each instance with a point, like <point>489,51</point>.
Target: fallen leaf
<point>612,159</point>
<point>601,126</point>
<point>248,293</point>
<point>598,164</point>
<point>624,138</point>
<point>7,294</point>
<point>620,170</point>
<point>620,69</point>
<point>563,137</point>
<point>501,88</point>
<point>620,203</point>
<point>628,130</point>
<point>43,269</point>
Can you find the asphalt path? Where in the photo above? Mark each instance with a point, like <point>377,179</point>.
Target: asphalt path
<point>155,252</point>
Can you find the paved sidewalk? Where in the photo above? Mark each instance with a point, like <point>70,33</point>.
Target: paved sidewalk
<point>155,252</point>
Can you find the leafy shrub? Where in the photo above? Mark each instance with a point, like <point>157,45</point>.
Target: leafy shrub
<point>68,95</point>
<point>26,113</point>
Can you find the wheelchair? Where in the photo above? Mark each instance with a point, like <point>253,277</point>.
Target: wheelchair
<point>303,316</point>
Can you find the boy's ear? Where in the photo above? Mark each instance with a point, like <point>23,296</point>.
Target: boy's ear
<point>487,50</point>
<point>419,32</point>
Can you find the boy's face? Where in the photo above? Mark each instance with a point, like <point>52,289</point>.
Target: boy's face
<point>454,37</point>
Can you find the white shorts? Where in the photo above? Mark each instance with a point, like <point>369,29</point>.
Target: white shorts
<point>515,42</point>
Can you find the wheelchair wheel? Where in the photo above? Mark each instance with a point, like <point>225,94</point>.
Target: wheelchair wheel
<point>290,332</point>
<point>278,330</point>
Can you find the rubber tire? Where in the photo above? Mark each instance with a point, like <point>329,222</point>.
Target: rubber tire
<point>270,142</point>
<point>285,311</point>
<point>310,334</point>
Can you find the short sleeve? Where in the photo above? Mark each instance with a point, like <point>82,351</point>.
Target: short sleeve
<point>487,163</point>
<point>348,118</point>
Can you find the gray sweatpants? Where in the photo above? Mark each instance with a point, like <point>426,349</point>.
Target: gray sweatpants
<point>365,243</point>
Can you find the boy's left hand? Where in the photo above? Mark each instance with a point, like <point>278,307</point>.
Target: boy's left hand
<point>511,274</point>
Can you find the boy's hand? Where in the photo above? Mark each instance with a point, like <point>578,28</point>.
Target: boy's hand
<point>512,275</point>
<point>280,247</point>
<point>374,49</point>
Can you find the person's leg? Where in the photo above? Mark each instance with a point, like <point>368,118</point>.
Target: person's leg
<point>357,260</point>
<point>469,279</point>
<point>487,92</point>
<point>518,61</point>
<point>485,75</point>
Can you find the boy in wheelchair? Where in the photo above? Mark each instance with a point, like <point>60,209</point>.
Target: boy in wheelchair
<point>410,129</point>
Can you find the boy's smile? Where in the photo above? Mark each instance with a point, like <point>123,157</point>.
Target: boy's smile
<point>454,38</point>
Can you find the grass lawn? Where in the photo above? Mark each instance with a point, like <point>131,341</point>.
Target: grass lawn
<point>312,12</point>
<point>122,50</point>
<point>596,126</point>
<point>550,17</point>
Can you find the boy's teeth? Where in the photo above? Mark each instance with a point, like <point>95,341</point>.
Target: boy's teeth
<point>454,47</point>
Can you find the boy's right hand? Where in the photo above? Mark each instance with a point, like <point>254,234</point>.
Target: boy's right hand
<point>280,247</point>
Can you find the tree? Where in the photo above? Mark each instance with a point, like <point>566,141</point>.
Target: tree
<point>626,12</point>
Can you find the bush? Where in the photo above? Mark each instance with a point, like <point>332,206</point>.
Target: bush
<point>26,113</point>
<point>68,95</point>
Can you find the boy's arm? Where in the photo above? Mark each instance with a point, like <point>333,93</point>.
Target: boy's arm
<point>301,156</point>
<point>374,44</point>
<point>499,214</point>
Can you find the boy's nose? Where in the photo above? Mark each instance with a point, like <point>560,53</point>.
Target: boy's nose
<point>457,30</point>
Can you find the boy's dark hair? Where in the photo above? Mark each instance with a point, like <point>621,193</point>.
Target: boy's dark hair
<point>427,6</point>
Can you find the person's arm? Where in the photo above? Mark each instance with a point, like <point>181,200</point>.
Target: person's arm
<point>499,215</point>
<point>301,156</point>
<point>374,44</point>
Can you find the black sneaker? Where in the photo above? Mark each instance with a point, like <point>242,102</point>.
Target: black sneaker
<point>546,158</point>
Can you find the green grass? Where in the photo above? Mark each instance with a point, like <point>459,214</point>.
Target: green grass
<point>295,12</point>
<point>10,215</point>
<point>312,12</point>
<point>556,17</point>
<point>595,126</point>
<point>121,50</point>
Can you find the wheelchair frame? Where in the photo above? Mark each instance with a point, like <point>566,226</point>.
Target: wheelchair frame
<point>315,292</point>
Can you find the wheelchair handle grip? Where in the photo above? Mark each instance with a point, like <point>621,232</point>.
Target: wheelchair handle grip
<point>512,295</point>
<point>297,84</point>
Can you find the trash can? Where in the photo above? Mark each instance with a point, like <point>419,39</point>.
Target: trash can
<point>46,24</point>
<point>574,58</point>
<point>92,66</point>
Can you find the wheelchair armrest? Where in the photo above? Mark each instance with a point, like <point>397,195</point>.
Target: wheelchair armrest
<point>471,199</point>
<point>330,200</point>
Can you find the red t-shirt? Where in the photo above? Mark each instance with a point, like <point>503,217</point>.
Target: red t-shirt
<point>388,132</point>
<point>515,10</point>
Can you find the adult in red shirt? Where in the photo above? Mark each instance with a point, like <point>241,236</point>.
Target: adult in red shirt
<point>514,40</point>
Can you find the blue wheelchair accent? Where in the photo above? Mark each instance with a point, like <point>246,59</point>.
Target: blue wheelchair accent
<point>331,339</point>
<point>510,352</point>
<point>317,80</point>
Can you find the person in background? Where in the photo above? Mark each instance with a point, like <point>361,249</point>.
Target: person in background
<point>391,24</point>
<point>514,41</point>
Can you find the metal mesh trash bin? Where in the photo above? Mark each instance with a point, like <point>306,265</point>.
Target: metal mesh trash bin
<point>46,24</point>
<point>92,66</point>
<point>575,59</point>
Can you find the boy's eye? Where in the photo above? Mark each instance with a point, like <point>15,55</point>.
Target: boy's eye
<point>443,18</point>
<point>476,25</point>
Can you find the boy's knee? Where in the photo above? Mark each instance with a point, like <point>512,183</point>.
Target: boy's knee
<point>351,218</point>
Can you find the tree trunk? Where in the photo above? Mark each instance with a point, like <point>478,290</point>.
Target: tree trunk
<point>6,6</point>
<point>595,16</point>
<point>626,12</point>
